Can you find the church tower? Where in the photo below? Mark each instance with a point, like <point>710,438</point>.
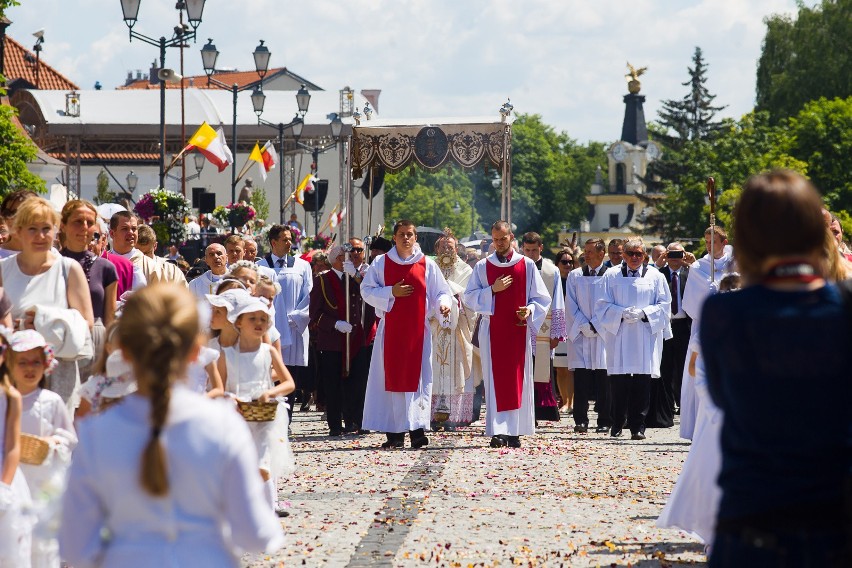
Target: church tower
<point>616,209</point>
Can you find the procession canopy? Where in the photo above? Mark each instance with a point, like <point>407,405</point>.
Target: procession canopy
<point>430,143</point>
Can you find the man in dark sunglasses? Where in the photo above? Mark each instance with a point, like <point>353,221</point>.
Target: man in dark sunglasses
<point>634,312</point>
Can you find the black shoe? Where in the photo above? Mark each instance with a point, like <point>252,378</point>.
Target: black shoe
<point>638,436</point>
<point>362,432</point>
<point>418,443</point>
<point>514,441</point>
<point>581,428</point>
<point>395,441</point>
<point>499,442</point>
<point>616,434</point>
<point>601,429</point>
<point>335,432</point>
<point>351,429</point>
<point>282,513</point>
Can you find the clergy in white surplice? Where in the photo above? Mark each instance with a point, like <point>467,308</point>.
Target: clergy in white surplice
<point>406,288</point>
<point>551,332</point>
<point>634,313</point>
<point>452,348</point>
<point>292,304</point>
<point>583,289</point>
<point>506,289</point>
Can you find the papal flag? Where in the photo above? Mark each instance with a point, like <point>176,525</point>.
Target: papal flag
<point>212,144</point>
<point>307,184</point>
<point>265,158</point>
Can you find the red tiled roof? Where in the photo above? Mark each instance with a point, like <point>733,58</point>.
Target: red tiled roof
<point>20,63</point>
<point>112,156</point>
<point>241,78</point>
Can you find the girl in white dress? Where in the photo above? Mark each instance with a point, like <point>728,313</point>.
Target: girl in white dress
<point>168,477</point>
<point>112,379</point>
<point>246,371</point>
<point>29,360</point>
<point>15,527</point>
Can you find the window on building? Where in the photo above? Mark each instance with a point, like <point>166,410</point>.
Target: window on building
<point>613,220</point>
<point>620,183</point>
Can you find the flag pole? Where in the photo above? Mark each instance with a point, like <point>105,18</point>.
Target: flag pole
<point>175,159</point>
<point>243,171</point>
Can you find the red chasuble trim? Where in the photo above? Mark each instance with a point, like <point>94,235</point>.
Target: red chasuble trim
<point>405,327</point>
<point>508,340</point>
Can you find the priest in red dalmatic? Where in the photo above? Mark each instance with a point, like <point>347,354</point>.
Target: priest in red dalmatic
<point>406,288</point>
<point>507,290</point>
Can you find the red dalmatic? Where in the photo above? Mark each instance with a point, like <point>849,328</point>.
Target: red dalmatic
<point>508,340</point>
<point>405,327</point>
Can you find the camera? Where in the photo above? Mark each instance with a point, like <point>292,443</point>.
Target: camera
<point>347,247</point>
<point>674,254</point>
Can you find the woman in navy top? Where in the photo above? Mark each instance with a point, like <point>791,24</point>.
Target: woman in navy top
<point>779,359</point>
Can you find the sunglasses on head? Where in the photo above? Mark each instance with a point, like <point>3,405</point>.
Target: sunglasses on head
<point>634,253</point>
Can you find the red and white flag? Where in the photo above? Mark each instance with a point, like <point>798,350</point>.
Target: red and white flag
<point>265,158</point>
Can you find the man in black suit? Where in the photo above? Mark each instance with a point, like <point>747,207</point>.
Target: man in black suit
<point>667,397</point>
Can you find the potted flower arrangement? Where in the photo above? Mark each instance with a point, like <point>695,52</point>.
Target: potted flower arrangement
<point>316,242</point>
<point>234,214</point>
<point>165,211</point>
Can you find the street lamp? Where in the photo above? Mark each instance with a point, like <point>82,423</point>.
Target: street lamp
<point>132,181</point>
<point>199,160</point>
<point>181,34</point>
<point>39,35</point>
<point>261,55</point>
<point>295,125</point>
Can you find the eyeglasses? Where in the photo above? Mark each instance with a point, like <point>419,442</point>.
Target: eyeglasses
<point>634,253</point>
<point>357,249</point>
<point>566,261</point>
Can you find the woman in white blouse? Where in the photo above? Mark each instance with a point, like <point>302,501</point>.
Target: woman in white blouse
<point>169,476</point>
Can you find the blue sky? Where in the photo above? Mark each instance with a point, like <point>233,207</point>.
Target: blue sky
<point>563,59</point>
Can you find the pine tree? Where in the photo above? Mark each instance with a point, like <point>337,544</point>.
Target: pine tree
<point>103,195</point>
<point>692,117</point>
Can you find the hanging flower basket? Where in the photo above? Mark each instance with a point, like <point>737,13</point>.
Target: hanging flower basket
<point>165,211</point>
<point>234,214</point>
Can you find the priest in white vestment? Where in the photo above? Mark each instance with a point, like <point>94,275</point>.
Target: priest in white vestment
<point>406,288</point>
<point>551,332</point>
<point>583,289</point>
<point>634,313</point>
<point>452,347</point>
<point>698,287</point>
<point>506,289</point>
<point>292,304</point>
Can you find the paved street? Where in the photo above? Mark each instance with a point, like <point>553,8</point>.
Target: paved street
<point>561,500</point>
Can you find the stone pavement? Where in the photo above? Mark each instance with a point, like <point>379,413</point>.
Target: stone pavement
<point>564,499</point>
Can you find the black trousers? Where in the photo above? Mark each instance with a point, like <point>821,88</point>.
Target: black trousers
<point>631,396</point>
<point>358,376</point>
<point>341,393</point>
<point>588,384</point>
<point>674,358</point>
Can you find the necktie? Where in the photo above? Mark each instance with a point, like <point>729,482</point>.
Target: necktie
<point>675,294</point>
<point>634,273</point>
<point>279,263</point>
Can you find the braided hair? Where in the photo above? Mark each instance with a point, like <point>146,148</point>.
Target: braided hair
<point>157,331</point>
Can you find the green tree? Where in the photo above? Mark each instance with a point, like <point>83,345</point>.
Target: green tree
<point>821,136</point>
<point>805,58</point>
<point>260,203</point>
<point>103,194</point>
<point>16,151</point>
<point>691,117</point>
<point>429,199</point>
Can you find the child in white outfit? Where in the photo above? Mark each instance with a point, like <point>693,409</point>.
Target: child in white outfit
<point>29,360</point>
<point>15,527</point>
<point>246,371</point>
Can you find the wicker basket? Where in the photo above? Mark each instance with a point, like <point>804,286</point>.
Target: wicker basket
<point>256,411</point>
<point>34,450</point>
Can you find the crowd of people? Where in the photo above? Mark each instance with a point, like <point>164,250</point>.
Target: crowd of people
<point>154,380</point>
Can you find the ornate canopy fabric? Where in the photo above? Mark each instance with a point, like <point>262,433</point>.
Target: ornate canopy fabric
<point>430,144</point>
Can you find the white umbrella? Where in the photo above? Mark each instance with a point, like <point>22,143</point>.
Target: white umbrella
<point>107,210</point>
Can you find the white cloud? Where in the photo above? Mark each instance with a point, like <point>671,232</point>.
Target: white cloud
<point>562,59</point>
